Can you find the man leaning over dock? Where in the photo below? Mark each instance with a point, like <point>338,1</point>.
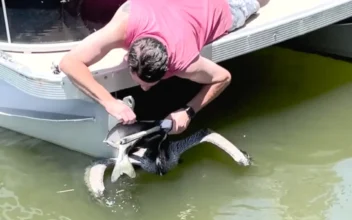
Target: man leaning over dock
<point>163,38</point>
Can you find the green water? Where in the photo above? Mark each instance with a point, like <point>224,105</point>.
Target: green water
<point>291,111</point>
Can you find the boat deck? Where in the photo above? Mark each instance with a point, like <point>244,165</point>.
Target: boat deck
<point>278,21</point>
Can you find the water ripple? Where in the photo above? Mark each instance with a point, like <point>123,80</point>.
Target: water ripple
<point>11,208</point>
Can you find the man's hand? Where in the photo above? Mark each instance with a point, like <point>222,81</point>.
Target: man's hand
<point>121,111</point>
<point>180,121</point>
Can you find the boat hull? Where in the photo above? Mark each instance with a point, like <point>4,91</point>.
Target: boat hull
<point>77,125</point>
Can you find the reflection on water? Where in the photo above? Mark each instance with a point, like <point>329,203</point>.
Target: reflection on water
<point>290,110</point>
<point>49,21</point>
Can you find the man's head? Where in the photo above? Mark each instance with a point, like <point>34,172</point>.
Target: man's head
<point>147,60</point>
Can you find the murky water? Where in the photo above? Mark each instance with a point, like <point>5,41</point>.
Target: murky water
<point>291,111</point>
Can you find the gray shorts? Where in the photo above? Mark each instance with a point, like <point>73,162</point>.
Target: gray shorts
<point>241,10</point>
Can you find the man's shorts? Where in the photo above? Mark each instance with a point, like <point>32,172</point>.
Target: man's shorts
<point>241,10</point>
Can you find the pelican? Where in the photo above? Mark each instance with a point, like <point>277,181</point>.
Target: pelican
<point>154,152</point>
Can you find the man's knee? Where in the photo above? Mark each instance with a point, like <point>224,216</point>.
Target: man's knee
<point>262,3</point>
<point>241,10</point>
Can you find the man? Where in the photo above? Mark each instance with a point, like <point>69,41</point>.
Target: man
<point>163,39</point>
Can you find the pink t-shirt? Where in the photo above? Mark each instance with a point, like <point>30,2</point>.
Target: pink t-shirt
<point>184,26</point>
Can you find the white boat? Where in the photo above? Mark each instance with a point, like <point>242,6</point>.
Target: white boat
<point>39,102</point>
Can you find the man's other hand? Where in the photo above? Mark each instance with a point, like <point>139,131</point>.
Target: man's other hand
<point>180,121</point>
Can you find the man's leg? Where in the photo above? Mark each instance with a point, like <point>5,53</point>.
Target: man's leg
<point>241,10</point>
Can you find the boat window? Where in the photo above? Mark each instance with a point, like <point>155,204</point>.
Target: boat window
<point>56,21</point>
<point>3,36</point>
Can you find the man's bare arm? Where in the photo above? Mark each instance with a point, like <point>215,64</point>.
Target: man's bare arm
<point>215,78</point>
<point>89,51</point>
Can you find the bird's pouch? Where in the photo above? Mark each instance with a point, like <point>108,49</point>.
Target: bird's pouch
<point>129,134</point>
